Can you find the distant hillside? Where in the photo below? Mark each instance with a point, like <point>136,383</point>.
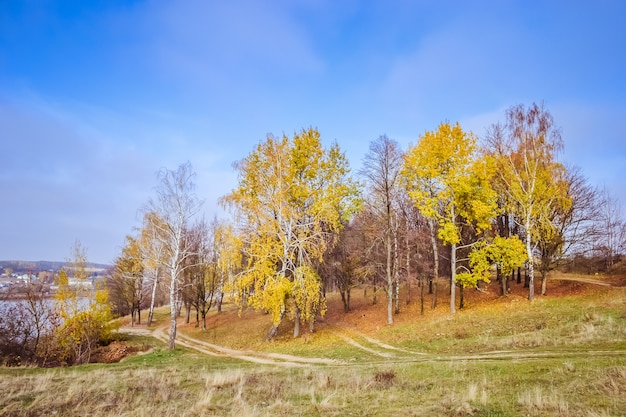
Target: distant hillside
<point>36,266</point>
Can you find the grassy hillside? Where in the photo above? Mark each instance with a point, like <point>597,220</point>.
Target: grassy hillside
<point>562,355</point>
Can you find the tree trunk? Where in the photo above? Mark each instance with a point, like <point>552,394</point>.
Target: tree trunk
<point>179,305</point>
<point>531,266</point>
<point>422,290</point>
<point>408,268</point>
<point>187,312</point>
<point>503,280</point>
<point>396,267</point>
<point>172,339</point>
<point>173,312</point>
<point>390,302</point>
<point>544,282</point>
<point>152,297</point>
<point>296,323</point>
<point>220,299</point>
<point>433,282</point>
<point>345,301</point>
<point>526,277</point>
<point>273,332</point>
<point>461,297</point>
<point>389,277</point>
<point>452,278</point>
<point>519,275</point>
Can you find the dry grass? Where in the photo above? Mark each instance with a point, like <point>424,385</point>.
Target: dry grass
<point>450,380</point>
<point>542,399</point>
<point>590,315</point>
<point>186,385</point>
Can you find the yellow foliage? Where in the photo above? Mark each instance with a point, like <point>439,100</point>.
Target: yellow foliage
<point>447,178</point>
<point>86,314</point>
<point>291,198</point>
<point>531,182</point>
<point>507,253</point>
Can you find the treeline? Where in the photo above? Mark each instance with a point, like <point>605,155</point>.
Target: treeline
<point>25,267</point>
<point>452,205</point>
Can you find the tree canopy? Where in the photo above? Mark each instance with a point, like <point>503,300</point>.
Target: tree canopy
<point>292,198</point>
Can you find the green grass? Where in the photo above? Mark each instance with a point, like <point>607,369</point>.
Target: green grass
<point>182,383</point>
<point>565,356</point>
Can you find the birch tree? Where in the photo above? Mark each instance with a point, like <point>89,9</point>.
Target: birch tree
<point>381,169</point>
<point>291,198</point>
<point>416,240</point>
<point>525,147</point>
<point>126,285</point>
<point>571,223</point>
<point>449,182</point>
<point>153,252</point>
<point>229,248</point>
<point>174,208</point>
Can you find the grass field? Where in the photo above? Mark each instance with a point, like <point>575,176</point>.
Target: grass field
<point>561,355</point>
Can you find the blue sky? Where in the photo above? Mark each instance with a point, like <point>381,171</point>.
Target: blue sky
<point>97,96</point>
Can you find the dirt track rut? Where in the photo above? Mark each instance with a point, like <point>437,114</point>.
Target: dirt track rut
<point>211,349</point>
<point>365,343</point>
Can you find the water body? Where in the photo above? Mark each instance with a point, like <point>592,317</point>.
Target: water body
<point>49,302</point>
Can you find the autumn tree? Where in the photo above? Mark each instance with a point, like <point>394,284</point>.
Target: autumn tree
<point>506,253</point>
<point>370,250</point>
<point>381,170</point>
<point>229,252</point>
<point>571,224</point>
<point>84,310</point>
<point>416,237</point>
<point>611,239</point>
<point>524,148</point>
<point>449,182</point>
<point>127,279</point>
<point>68,295</point>
<point>343,266</point>
<point>191,286</point>
<point>152,239</point>
<point>291,198</point>
<point>27,328</point>
<point>171,215</point>
<point>205,279</point>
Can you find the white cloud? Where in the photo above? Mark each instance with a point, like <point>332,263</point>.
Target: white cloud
<point>63,184</point>
<point>212,43</point>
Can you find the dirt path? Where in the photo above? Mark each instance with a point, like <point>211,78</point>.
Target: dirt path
<point>211,349</point>
<point>371,345</point>
<point>386,352</point>
<point>581,279</point>
<point>356,344</point>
